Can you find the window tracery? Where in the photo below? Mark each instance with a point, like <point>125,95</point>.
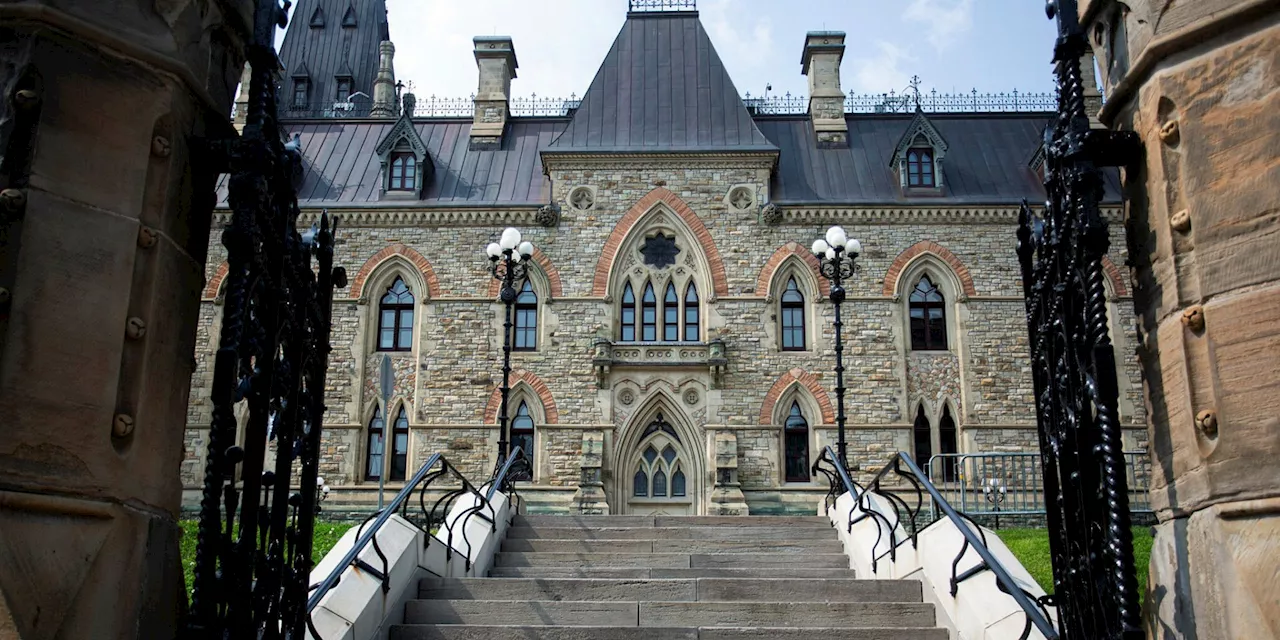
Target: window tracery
<point>928,319</point>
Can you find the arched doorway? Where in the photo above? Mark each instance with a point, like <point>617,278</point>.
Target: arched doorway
<point>659,466</point>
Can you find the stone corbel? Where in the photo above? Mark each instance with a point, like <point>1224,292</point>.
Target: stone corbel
<point>602,360</point>
<point>718,362</point>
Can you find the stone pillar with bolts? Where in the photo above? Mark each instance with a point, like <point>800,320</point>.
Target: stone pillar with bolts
<point>820,63</point>
<point>1197,81</point>
<point>106,203</point>
<point>496,58</point>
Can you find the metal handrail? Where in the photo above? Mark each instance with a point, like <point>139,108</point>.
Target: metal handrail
<point>1032,608</point>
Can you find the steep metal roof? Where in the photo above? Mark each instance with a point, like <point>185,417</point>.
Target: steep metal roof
<point>335,48</point>
<point>987,160</point>
<point>341,167</point>
<point>661,88</point>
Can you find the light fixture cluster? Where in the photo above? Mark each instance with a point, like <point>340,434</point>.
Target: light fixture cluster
<point>510,244</point>
<point>835,243</point>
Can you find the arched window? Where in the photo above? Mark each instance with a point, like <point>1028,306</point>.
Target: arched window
<point>920,167</point>
<point>649,314</point>
<point>659,475</point>
<point>947,443</point>
<point>928,317</point>
<point>670,314</point>
<point>923,439</point>
<point>374,446</point>
<point>628,313</point>
<point>399,446</point>
<point>691,313</point>
<point>522,432</point>
<point>404,172</point>
<point>526,309</point>
<point>395,318</point>
<point>796,445</point>
<point>792,315</point>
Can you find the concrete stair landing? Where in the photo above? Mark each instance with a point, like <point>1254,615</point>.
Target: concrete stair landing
<point>669,578</point>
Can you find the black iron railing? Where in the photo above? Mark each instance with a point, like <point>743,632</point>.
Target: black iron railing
<point>428,519</point>
<point>907,516</point>
<point>929,102</point>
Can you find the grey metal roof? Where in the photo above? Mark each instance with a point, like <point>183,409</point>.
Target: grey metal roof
<point>341,167</point>
<point>986,163</point>
<point>661,87</point>
<point>334,50</point>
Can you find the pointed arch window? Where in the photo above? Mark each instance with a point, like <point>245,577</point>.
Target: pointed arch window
<point>920,167</point>
<point>928,317</point>
<point>628,313</point>
<point>923,436</point>
<point>399,446</point>
<point>301,87</point>
<point>526,310</point>
<point>404,172</point>
<point>374,445</point>
<point>649,314</point>
<point>395,318</point>
<point>343,88</point>
<point>947,443</point>
<point>670,314</point>
<point>659,475</point>
<point>691,313</point>
<point>792,314</point>
<point>796,445</point>
<point>522,432</point>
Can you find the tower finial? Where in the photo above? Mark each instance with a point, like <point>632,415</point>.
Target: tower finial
<point>915,90</point>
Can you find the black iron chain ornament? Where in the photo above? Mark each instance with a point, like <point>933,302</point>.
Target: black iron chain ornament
<point>253,550</point>
<point>1073,361</point>
<point>509,264</point>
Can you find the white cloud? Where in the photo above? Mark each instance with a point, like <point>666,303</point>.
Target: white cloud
<point>944,20</point>
<point>745,45</point>
<point>880,72</point>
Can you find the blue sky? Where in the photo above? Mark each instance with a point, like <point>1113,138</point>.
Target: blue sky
<point>953,45</point>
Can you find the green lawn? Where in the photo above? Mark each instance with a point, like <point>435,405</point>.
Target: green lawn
<point>1031,547</point>
<point>327,535</point>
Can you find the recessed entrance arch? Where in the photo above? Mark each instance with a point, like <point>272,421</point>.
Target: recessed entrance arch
<point>660,467</point>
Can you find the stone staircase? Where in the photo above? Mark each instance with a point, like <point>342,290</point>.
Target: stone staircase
<point>669,578</point>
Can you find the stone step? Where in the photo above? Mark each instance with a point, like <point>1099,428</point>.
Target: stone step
<point>675,546</point>
<point>477,632</point>
<point>669,614</point>
<point>671,590</point>
<point>646,573</point>
<point>580,521</point>
<point>670,533</point>
<point>672,560</point>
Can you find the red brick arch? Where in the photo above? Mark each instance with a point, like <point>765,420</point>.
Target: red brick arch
<point>215,283</point>
<point>539,387</point>
<point>609,253</point>
<point>1117,279</point>
<point>786,251</point>
<point>548,269</point>
<point>424,267</point>
<point>808,381</point>
<point>941,252</point>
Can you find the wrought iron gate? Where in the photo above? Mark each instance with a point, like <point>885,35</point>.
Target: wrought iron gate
<point>253,554</point>
<point>1073,362</point>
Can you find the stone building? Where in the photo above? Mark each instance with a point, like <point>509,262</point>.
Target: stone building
<point>674,345</point>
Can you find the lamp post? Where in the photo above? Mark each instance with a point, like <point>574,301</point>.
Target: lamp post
<point>994,491</point>
<point>508,262</point>
<point>838,253</point>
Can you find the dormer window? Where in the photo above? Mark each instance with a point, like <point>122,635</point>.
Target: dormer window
<point>301,86</point>
<point>404,172</point>
<point>920,167</point>
<point>343,90</point>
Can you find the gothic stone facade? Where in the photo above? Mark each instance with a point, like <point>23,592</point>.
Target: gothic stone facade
<point>742,213</point>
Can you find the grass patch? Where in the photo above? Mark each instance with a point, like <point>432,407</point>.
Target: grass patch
<point>327,534</point>
<point>1031,547</point>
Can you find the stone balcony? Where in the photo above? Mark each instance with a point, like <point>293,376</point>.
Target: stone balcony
<point>610,355</point>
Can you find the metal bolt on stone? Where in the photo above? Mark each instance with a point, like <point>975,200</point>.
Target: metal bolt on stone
<point>1193,318</point>
<point>13,200</point>
<point>1207,421</point>
<point>122,425</point>
<point>161,147</point>
<point>1170,133</point>
<point>135,329</point>
<point>147,237</point>
<point>1181,221</point>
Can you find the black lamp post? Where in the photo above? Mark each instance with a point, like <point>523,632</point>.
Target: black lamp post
<point>838,254</point>
<point>508,262</point>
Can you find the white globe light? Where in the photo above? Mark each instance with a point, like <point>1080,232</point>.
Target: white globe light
<point>493,250</point>
<point>854,247</point>
<point>526,248</point>
<point>836,237</point>
<point>831,253</point>
<point>510,238</point>
<point>320,481</point>
<point>820,247</point>
<point>515,257</point>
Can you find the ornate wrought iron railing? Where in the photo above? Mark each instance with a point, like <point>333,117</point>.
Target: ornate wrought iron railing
<point>929,102</point>
<point>1073,361</point>
<point>253,549</point>
<point>905,527</point>
<point>662,5</point>
<point>429,519</point>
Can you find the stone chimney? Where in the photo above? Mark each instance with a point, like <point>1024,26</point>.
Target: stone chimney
<point>823,51</point>
<point>496,58</point>
<point>384,87</point>
<point>242,99</point>
<point>1092,96</point>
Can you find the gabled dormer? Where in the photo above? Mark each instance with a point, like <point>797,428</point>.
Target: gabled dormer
<point>918,157</point>
<point>301,94</point>
<point>343,83</point>
<point>406,166</point>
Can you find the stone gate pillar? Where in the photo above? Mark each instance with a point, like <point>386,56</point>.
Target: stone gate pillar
<point>105,214</point>
<point>1198,82</point>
